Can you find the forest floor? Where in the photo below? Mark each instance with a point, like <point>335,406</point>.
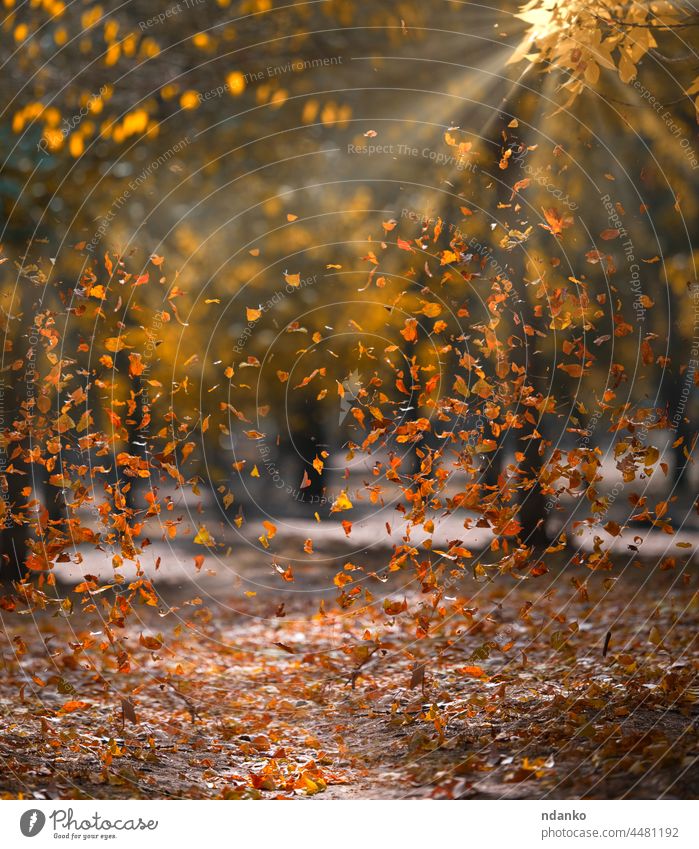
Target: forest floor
<point>571,685</point>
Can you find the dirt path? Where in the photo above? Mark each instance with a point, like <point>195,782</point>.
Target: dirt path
<point>248,699</point>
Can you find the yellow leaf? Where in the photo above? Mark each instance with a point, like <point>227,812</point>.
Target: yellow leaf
<point>73,705</point>
<point>115,344</point>
<point>203,537</point>
<point>627,69</point>
<point>342,502</point>
<point>64,423</point>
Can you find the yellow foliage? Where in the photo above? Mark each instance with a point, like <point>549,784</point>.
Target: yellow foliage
<point>189,100</point>
<point>236,83</point>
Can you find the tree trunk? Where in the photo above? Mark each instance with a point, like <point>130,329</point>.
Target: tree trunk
<point>13,541</point>
<point>677,395</point>
<point>14,533</point>
<point>528,439</point>
<point>532,505</point>
<point>308,442</point>
<point>129,484</point>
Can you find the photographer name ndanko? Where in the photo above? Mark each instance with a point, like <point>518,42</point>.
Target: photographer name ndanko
<point>94,826</point>
<point>563,815</point>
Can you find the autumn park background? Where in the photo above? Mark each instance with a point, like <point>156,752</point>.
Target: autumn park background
<point>347,399</point>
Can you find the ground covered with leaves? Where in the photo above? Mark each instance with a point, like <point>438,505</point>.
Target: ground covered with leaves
<point>572,685</point>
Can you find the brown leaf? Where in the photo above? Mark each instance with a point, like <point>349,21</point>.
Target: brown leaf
<point>128,711</point>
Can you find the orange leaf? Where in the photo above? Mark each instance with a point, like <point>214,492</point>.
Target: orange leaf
<point>409,332</point>
<point>556,222</point>
<point>150,643</point>
<point>473,671</point>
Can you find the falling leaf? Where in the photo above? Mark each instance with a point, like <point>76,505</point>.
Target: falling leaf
<point>151,643</point>
<point>342,502</point>
<point>203,537</point>
<point>555,222</point>
<point>114,344</point>
<point>128,711</point>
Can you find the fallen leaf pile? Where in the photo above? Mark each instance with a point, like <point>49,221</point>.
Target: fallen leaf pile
<point>525,694</point>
